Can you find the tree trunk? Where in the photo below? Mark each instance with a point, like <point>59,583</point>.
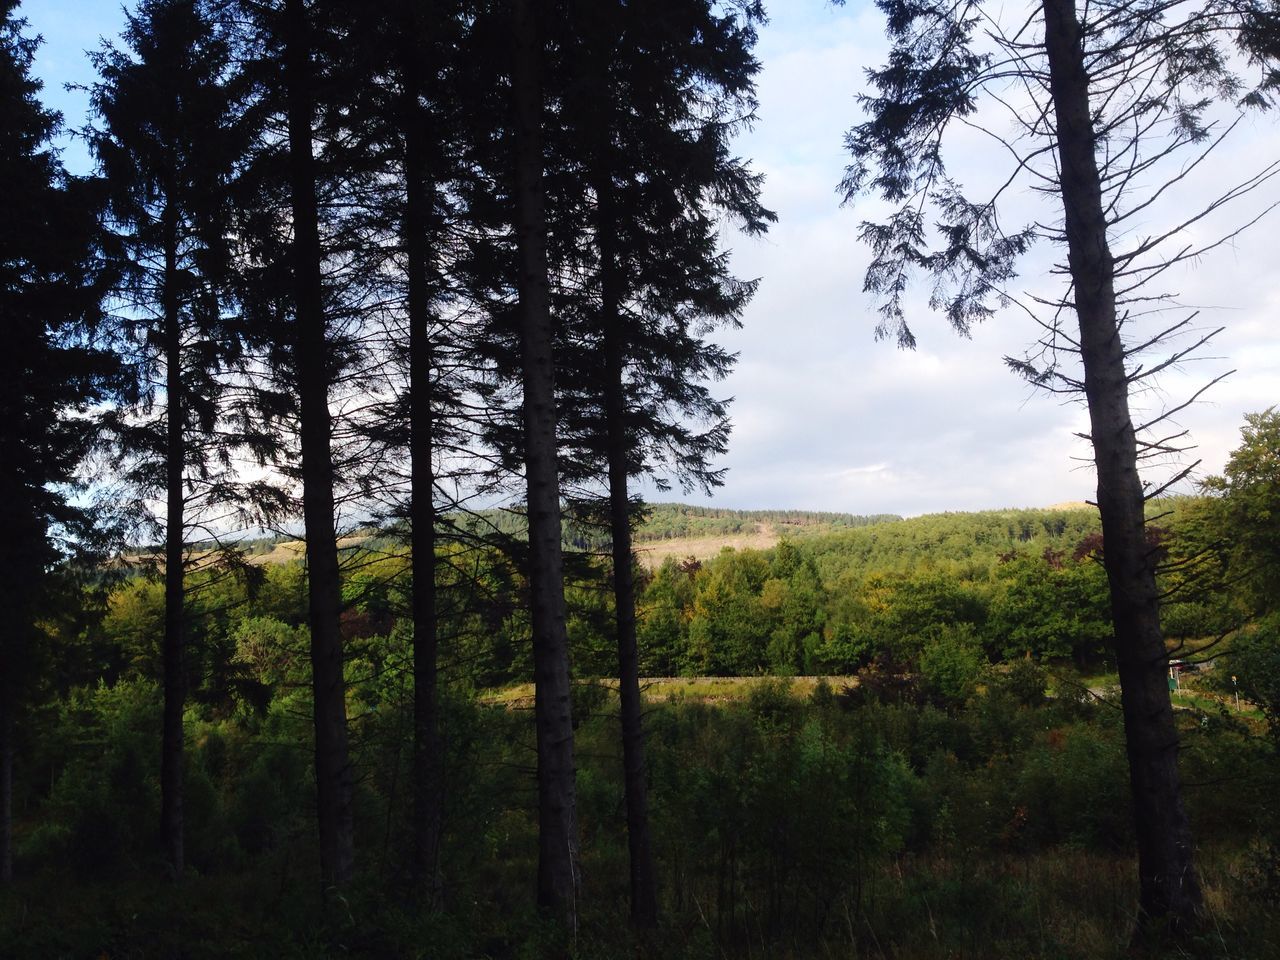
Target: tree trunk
<point>644,894</point>
<point>333,769</point>
<point>6,781</point>
<point>172,737</point>
<point>1170,896</point>
<point>557,814</point>
<point>427,780</point>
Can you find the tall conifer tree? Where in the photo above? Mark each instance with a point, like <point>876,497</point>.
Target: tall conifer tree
<point>289,47</point>
<point>1116,104</point>
<point>403,117</point>
<point>50,376</point>
<point>665,95</point>
<point>558,880</point>
<point>167,146</point>
<point>312,368</point>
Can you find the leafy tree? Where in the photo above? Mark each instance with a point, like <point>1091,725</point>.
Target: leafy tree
<point>1254,664</point>
<point>728,635</point>
<point>951,663</point>
<point>1248,509</point>
<point>1249,667</point>
<point>1051,606</point>
<point>662,615</point>
<point>896,615</point>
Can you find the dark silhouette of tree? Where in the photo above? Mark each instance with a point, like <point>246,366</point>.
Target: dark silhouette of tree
<point>558,879</point>
<point>167,148</point>
<point>312,370</point>
<point>1109,109</point>
<point>635,121</point>
<point>403,121</point>
<point>51,375</point>
<point>296,315</point>
<point>656,101</point>
<point>418,55</point>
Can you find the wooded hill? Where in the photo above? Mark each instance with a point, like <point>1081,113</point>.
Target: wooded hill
<point>657,522</point>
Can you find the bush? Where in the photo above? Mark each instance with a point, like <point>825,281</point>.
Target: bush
<point>951,663</point>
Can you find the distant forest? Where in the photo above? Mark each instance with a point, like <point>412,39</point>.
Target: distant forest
<point>655,521</point>
<point>665,521</point>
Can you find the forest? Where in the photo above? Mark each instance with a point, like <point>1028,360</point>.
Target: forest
<point>335,620</point>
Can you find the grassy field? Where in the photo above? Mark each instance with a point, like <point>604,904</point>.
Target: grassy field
<point>653,552</point>
<point>662,689</point>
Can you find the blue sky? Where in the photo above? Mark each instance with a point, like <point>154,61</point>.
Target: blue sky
<point>826,417</point>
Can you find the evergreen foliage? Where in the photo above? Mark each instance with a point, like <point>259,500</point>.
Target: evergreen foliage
<point>168,147</point>
<point>53,372</point>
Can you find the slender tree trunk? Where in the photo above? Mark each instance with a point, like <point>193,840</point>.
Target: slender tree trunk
<point>427,780</point>
<point>1170,894</point>
<point>333,768</point>
<point>6,781</point>
<point>644,892</point>
<point>173,738</point>
<point>557,813</point>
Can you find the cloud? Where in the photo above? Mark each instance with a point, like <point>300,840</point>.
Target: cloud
<point>828,418</point>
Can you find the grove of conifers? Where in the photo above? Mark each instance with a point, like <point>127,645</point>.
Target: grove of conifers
<point>330,624</point>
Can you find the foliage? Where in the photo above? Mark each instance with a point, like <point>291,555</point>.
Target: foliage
<point>951,662</point>
<point>54,371</point>
<point>1248,509</point>
<point>807,824</point>
<point>1254,664</point>
<point>1052,606</point>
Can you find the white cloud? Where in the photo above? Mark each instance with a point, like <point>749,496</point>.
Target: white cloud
<point>830,419</point>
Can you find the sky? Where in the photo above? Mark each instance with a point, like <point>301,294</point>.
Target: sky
<point>826,417</point>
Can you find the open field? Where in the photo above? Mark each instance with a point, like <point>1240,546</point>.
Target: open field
<point>661,689</point>
<point>653,552</point>
<point>727,689</point>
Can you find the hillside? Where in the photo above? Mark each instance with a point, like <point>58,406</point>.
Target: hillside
<point>682,531</point>
<point>668,521</point>
<point>699,532</point>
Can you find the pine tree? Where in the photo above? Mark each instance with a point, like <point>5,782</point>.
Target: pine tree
<point>312,370</point>
<point>1121,101</point>
<point>402,114</point>
<point>558,879</point>
<point>167,148</point>
<point>51,374</point>
<point>289,303</point>
<point>665,95</point>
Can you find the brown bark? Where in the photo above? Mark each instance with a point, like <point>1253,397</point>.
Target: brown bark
<point>644,892</point>
<point>557,813</point>
<point>332,763</point>
<point>427,766</point>
<point>172,736</point>
<point>1170,896</point>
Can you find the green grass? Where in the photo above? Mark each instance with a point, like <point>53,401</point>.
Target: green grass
<point>1192,699</point>
<point>1191,696</point>
<point>660,689</point>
